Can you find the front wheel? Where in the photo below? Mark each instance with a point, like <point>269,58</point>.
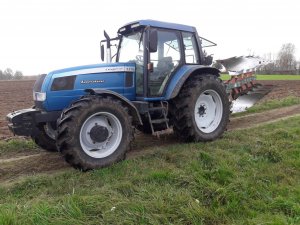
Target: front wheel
<point>45,137</point>
<point>94,132</point>
<point>201,110</point>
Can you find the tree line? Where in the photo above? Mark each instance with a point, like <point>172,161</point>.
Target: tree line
<point>283,63</point>
<point>8,74</point>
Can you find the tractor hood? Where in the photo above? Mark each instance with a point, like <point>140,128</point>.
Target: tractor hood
<point>60,87</point>
<point>94,68</point>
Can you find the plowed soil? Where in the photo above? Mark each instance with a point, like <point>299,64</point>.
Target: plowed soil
<point>14,95</point>
<point>18,94</point>
<point>282,89</point>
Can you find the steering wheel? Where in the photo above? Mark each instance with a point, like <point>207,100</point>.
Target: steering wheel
<point>139,59</point>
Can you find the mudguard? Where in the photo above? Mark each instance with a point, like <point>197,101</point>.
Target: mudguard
<point>183,74</point>
<point>132,109</point>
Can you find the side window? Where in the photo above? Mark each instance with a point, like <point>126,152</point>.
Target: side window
<point>165,60</point>
<point>190,46</point>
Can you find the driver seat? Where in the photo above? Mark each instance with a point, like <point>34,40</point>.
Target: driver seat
<point>165,66</point>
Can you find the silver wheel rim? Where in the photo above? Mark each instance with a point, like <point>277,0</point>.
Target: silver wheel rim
<point>110,144</point>
<point>208,111</point>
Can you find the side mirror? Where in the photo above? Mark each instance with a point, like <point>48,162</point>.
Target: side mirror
<point>102,52</point>
<point>208,60</point>
<point>153,40</point>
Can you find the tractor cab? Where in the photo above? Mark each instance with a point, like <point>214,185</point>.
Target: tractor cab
<point>158,50</point>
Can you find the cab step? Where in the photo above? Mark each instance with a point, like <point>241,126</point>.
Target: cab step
<point>157,108</point>
<point>159,126</point>
<point>157,121</point>
<point>163,132</point>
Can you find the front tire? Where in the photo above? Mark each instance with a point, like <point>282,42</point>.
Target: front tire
<point>201,110</point>
<point>45,138</point>
<point>94,132</point>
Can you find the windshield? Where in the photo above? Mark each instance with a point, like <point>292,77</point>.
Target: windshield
<point>131,48</point>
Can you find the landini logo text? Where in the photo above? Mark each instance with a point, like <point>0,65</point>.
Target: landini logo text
<point>91,81</point>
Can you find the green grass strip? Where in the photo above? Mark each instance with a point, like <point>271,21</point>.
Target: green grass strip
<point>16,145</point>
<point>247,177</point>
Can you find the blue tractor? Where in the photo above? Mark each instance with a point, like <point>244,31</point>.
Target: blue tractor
<point>159,80</point>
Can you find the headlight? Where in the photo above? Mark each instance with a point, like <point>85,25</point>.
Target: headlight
<point>39,96</point>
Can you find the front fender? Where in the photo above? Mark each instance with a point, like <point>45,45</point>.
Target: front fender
<point>132,109</point>
<point>183,74</point>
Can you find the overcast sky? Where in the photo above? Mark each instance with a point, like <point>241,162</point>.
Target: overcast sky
<point>37,36</point>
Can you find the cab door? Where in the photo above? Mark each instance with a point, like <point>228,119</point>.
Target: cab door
<point>165,60</point>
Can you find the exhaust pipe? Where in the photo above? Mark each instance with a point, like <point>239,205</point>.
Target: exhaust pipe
<point>108,50</point>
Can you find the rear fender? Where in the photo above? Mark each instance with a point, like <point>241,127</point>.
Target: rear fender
<point>183,74</point>
<point>132,109</point>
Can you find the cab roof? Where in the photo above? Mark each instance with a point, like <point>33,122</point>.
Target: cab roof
<point>160,24</point>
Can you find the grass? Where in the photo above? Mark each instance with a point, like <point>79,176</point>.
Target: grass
<point>16,146</point>
<point>268,77</point>
<point>278,77</point>
<point>270,104</point>
<point>247,177</point>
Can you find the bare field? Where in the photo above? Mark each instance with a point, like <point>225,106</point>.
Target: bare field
<point>14,95</point>
<point>282,89</point>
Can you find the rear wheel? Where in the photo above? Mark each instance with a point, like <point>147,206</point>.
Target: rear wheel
<point>94,132</point>
<point>201,110</point>
<point>45,138</point>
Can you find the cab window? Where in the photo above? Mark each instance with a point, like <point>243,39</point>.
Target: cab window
<point>165,60</point>
<point>190,46</point>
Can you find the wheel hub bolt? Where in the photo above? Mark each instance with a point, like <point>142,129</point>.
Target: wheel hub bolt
<point>202,110</point>
<point>98,133</point>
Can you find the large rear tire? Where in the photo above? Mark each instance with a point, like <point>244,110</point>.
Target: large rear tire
<point>200,112</point>
<point>45,138</point>
<point>94,132</point>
